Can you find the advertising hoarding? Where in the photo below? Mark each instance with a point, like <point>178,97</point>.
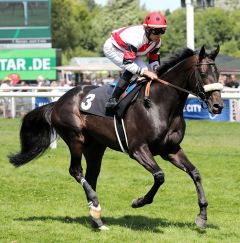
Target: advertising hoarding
<point>28,63</point>
<point>194,110</point>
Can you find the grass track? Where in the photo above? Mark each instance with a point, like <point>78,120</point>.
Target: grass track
<point>40,202</point>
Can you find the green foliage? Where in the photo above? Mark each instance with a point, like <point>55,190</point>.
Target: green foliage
<point>231,48</point>
<point>90,4</point>
<point>41,202</point>
<point>64,27</point>
<point>214,22</point>
<point>70,26</point>
<point>80,27</point>
<point>175,36</point>
<point>117,14</point>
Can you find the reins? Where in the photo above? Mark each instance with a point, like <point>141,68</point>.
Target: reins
<point>200,95</point>
<point>147,90</point>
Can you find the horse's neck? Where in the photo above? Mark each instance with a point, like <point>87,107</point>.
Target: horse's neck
<point>180,74</point>
<point>170,98</point>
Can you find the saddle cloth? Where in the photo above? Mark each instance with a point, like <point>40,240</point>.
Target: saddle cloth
<point>94,103</point>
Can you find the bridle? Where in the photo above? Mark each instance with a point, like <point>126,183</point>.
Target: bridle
<point>200,76</point>
<point>201,88</point>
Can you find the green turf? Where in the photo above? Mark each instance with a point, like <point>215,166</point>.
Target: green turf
<point>40,202</point>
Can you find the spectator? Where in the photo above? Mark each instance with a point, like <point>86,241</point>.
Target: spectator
<point>47,82</point>
<point>55,90</point>
<point>15,78</point>
<point>223,79</point>
<point>232,82</point>
<point>6,83</point>
<point>5,101</point>
<point>87,80</point>
<point>22,83</point>
<point>63,83</point>
<point>40,101</point>
<point>54,83</point>
<point>40,80</point>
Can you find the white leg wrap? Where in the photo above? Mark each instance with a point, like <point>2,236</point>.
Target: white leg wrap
<point>95,212</point>
<point>82,181</point>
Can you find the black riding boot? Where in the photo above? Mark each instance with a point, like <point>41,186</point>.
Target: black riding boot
<point>119,89</point>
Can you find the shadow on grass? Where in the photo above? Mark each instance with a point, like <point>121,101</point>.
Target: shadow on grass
<point>136,222</point>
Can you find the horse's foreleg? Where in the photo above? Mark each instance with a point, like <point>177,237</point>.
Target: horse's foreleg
<point>180,160</point>
<point>143,155</point>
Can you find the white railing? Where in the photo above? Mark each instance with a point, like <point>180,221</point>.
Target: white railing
<point>9,95</point>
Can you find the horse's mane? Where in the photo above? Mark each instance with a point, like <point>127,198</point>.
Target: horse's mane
<point>175,59</point>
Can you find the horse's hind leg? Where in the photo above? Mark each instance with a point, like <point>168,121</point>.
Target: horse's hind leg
<point>93,153</point>
<point>89,182</point>
<point>76,171</point>
<point>76,147</point>
<point>180,160</point>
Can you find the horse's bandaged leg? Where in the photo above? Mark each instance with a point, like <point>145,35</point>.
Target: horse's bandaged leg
<point>95,212</point>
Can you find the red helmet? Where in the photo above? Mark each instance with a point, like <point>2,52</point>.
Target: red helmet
<point>154,20</point>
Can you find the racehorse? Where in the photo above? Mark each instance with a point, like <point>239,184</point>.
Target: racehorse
<point>154,129</point>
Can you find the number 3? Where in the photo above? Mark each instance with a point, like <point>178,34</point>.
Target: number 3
<point>88,102</point>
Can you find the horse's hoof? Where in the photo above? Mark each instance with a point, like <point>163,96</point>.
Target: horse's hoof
<point>103,227</point>
<point>140,202</point>
<point>137,203</point>
<point>97,223</point>
<point>200,222</point>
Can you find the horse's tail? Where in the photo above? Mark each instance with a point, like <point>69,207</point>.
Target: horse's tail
<point>36,134</point>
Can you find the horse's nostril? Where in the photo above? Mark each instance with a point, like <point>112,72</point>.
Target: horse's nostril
<point>217,108</point>
<point>218,105</point>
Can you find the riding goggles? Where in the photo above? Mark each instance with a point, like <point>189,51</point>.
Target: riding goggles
<point>158,31</point>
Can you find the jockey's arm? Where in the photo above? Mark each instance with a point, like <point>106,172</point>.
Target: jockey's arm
<point>129,57</point>
<point>154,59</point>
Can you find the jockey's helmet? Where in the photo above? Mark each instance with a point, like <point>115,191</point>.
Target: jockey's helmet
<point>155,20</point>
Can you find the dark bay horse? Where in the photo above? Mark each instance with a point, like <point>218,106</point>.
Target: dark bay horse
<point>155,130</point>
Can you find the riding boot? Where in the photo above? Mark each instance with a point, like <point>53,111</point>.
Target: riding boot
<point>119,89</point>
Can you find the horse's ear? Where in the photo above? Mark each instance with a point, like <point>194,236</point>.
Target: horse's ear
<point>214,53</point>
<point>202,53</point>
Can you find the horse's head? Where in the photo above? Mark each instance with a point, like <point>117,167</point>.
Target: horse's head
<point>207,86</point>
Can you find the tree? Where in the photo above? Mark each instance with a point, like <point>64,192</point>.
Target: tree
<point>70,27</point>
<point>80,27</point>
<point>232,47</point>
<point>228,4</point>
<point>116,14</point>
<point>90,4</point>
<point>175,36</point>
<point>62,24</point>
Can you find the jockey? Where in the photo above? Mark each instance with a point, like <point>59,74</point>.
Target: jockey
<point>125,47</point>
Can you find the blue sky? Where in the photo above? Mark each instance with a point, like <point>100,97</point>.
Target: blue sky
<point>154,4</point>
